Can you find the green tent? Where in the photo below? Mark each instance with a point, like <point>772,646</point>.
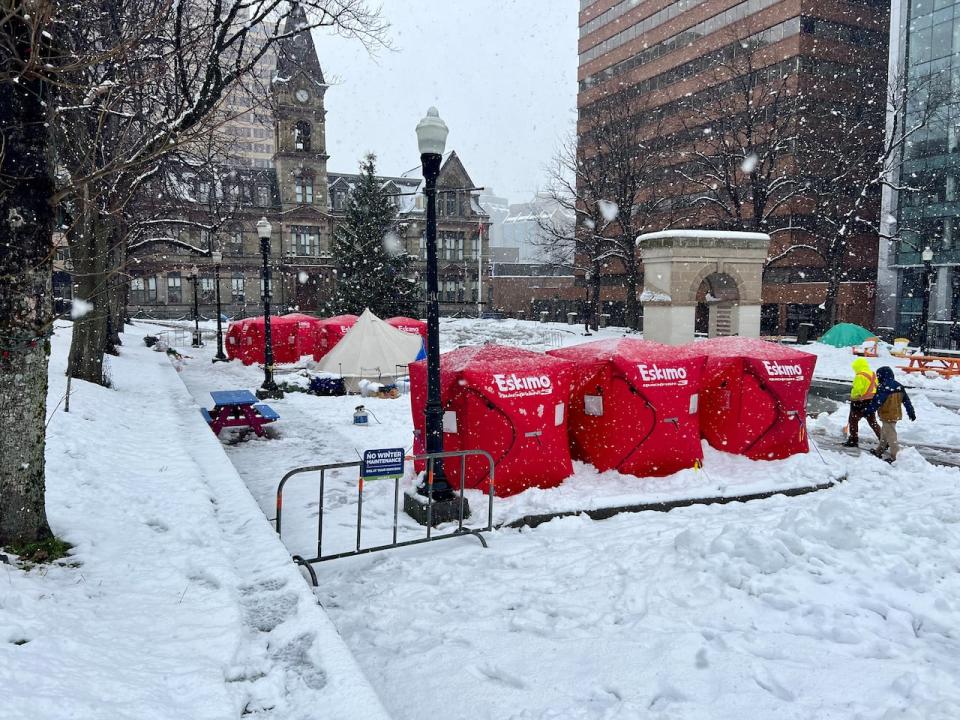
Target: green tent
<point>846,335</point>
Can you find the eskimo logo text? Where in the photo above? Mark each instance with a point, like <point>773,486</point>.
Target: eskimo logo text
<point>513,385</point>
<point>663,375</point>
<point>783,372</point>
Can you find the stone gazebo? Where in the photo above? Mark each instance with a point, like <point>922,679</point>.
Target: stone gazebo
<point>721,271</point>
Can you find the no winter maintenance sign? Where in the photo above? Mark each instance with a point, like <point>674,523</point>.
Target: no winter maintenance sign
<point>383,463</point>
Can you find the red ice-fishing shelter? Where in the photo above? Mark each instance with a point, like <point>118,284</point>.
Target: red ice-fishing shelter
<point>753,397</point>
<point>331,331</point>
<point>510,402</point>
<point>250,340</point>
<point>410,325</point>
<point>308,330</point>
<point>237,348</point>
<point>634,406</point>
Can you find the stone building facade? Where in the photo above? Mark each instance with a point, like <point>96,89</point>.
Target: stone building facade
<point>303,203</point>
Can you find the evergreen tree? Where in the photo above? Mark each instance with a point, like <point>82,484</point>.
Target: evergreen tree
<point>373,269</point>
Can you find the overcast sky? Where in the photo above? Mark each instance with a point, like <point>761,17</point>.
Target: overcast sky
<point>502,73</point>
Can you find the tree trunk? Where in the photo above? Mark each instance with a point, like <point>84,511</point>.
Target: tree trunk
<point>834,276</point>
<point>633,304</point>
<point>89,251</point>
<point>595,305</point>
<point>116,298</point>
<point>26,252</point>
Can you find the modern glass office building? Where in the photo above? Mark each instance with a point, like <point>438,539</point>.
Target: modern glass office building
<point>925,58</point>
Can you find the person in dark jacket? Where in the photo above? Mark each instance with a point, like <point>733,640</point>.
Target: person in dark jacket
<point>888,403</point>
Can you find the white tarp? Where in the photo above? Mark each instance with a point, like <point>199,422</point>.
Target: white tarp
<point>371,350</point>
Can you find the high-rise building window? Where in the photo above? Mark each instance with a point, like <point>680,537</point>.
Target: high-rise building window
<point>208,292</point>
<point>174,289</point>
<point>236,288</point>
<point>306,241</point>
<point>137,294</point>
<point>263,196</point>
<point>236,243</point>
<point>304,190</point>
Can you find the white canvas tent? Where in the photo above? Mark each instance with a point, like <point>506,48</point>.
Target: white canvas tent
<point>371,350</point>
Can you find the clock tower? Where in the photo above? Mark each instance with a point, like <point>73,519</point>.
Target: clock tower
<point>300,162</point>
<point>298,88</point>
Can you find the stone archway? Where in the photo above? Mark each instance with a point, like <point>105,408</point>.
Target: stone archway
<point>679,265</point>
<point>717,297</point>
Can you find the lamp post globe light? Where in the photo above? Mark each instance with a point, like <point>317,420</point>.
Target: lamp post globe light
<point>927,257</point>
<point>269,388</point>
<point>217,258</point>
<point>195,276</point>
<point>432,139</point>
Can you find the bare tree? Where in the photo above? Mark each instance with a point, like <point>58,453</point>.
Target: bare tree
<point>847,164</point>
<point>128,81</point>
<point>739,139</point>
<point>26,259</point>
<point>575,237</point>
<point>617,183</point>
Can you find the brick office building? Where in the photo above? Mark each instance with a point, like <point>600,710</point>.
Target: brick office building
<point>660,56</point>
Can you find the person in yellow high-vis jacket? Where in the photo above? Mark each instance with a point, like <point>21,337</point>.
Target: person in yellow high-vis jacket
<point>863,390</point>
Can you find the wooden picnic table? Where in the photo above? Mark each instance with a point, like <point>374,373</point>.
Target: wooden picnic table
<point>238,408</point>
<point>945,366</point>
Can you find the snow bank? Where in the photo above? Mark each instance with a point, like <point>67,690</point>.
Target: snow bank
<point>178,601</point>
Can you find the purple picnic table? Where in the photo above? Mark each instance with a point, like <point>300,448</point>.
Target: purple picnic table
<point>238,408</point>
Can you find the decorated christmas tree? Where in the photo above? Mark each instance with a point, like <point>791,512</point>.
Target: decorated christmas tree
<point>373,268</point>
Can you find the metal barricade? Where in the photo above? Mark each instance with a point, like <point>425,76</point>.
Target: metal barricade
<point>359,549</point>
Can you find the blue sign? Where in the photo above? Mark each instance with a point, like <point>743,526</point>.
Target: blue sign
<point>383,463</point>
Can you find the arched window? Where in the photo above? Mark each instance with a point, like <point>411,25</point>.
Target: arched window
<point>301,135</point>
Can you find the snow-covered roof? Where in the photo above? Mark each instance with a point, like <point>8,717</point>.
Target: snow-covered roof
<point>709,234</point>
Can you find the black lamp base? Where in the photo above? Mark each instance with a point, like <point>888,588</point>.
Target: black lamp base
<point>415,505</point>
<point>273,393</point>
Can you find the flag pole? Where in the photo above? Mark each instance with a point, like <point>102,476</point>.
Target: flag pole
<point>480,268</point>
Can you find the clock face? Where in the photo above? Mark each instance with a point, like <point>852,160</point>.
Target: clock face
<point>302,95</point>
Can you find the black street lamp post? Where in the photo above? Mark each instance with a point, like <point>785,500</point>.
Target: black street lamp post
<point>269,388</point>
<point>432,138</point>
<point>927,257</point>
<point>195,276</point>
<point>217,257</point>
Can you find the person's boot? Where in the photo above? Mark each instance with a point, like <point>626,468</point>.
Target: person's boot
<point>877,452</point>
<point>851,442</point>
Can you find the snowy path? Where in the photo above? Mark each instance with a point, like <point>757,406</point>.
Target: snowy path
<point>177,601</point>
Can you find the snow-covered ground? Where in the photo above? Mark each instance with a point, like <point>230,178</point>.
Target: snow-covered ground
<point>837,604</point>
<point>177,600</point>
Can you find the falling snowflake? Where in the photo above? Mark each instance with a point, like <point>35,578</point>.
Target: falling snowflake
<point>609,210</point>
<point>749,163</point>
<point>392,244</point>
<point>80,308</point>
